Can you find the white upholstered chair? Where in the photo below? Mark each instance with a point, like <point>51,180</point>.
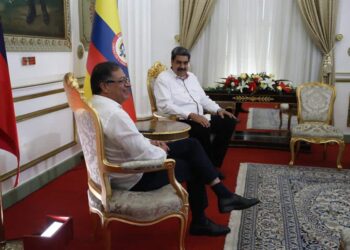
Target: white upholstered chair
<point>136,208</point>
<point>315,112</point>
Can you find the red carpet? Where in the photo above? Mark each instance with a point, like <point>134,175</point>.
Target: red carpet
<point>67,196</point>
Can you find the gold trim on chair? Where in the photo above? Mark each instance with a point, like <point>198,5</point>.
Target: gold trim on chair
<point>153,73</point>
<point>315,113</point>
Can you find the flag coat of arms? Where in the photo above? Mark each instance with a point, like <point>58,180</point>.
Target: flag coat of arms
<point>107,45</point>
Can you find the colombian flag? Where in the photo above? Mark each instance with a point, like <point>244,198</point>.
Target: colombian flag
<point>107,45</point>
<point>8,129</point>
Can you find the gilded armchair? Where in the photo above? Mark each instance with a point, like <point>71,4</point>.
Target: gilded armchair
<point>136,208</point>
<point>153,73</point>
<point>315,111</point>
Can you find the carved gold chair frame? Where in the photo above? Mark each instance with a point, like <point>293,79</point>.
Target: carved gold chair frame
<point>337,138</point>
<point>103,191</point>
<point>152,75</point>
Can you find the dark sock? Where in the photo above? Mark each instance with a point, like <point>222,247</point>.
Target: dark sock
<point>221,191</point>
<point>198,218</point>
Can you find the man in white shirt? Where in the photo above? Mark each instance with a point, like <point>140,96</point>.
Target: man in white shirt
<point>123,142</point>
<point>178,92</point>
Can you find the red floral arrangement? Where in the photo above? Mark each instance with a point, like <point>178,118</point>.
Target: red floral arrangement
<point>247,83</point>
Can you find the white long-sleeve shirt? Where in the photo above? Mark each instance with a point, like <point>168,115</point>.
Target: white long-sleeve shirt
<point>123,142</point>
<point>175,96</point>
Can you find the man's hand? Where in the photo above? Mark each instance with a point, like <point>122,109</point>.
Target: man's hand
<point>223,112</point>
<point>160,144</point>
<point>199,119</point>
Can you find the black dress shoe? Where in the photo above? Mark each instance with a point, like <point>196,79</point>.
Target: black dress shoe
<point>209,228</point>
<point>235,202</point>
<point>221,175</point>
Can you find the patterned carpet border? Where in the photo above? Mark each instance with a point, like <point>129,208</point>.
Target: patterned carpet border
<point>301,208</point>
<point>268,119</point>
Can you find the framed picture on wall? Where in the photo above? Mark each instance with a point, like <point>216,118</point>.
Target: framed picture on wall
<point>36,25</point>
<point>86,16</point>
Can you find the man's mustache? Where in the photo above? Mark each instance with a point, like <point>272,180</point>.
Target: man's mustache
<point>181,69</point>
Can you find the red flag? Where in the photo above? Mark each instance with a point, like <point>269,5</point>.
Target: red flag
<point>8,129</point>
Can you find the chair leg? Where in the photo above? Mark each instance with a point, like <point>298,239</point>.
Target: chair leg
<point>340,154</point>
<point>289,120</point>
<point>281,121</point>
<point>96,224</point>
<point>106,233</point>
<point>297,148</point>
<point>292,147</point>
<point>324,151</point>
<point>183,227</point>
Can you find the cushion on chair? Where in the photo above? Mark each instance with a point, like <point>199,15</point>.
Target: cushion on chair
<point>316,130</point>
<point>141,206</point>
<point>315,103</point>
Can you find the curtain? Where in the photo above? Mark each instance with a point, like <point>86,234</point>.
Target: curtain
<point>255,36</point>
<point>194,14</point>
<point>320,19</point>
<point>135,20</point>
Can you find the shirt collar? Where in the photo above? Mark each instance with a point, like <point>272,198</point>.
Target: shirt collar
<point>107,100</point>
<point>179,77</point>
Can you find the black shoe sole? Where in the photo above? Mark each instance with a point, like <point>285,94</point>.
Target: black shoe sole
<point>221,176</point>
<point>228,209</point>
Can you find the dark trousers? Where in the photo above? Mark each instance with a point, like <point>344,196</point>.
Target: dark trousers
<point>192,166</point>
<point>221,129</point>
<point>238,108</point>
<point>31,4</point>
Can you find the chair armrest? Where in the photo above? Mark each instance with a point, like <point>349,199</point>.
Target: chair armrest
<point>157,165</point>
<point>149,166</point>
<point>139,166</point>
<point>144,166</point>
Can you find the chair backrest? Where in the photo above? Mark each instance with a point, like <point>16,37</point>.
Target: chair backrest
<point>91,137</point>
<point>153,73</point>
<point>315,102</point>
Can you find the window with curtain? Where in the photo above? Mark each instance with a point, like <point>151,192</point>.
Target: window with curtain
<point>255,36</point>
